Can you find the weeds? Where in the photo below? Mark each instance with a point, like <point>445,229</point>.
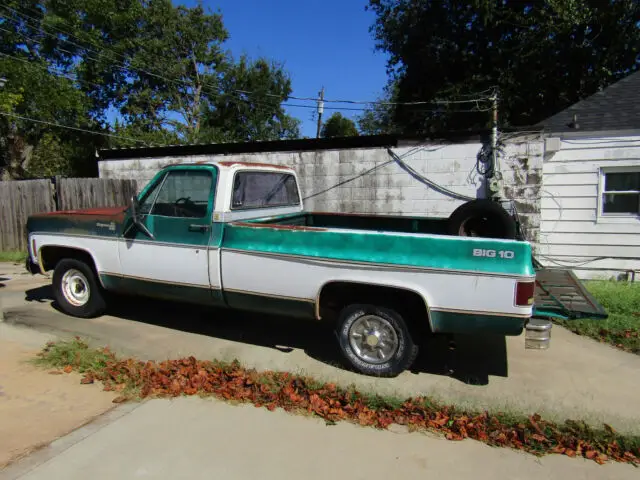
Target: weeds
<point>232,382</point>
<point>12,256</point>
<point>622,328</point>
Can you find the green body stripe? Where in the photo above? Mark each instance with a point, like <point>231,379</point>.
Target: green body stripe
<point>427,251</point>
<point>455,322</point>
<point>165,291</point>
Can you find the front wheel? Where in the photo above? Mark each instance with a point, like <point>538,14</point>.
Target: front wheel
<point>76,289</point>
<point>375,340</point>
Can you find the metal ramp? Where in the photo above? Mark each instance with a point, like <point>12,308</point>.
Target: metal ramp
<point>559,292</point>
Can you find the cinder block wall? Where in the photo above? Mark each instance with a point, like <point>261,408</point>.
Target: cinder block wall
<point>368,180</point>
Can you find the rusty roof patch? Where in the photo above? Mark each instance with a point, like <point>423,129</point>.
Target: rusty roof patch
<point>231,163</point>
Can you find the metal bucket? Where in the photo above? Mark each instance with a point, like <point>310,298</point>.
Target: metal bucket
<point>537,334</point>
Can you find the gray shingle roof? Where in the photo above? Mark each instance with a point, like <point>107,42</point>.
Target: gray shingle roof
<point>616,107</point>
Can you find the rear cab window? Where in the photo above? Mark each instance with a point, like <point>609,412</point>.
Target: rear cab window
<point>264,189</point>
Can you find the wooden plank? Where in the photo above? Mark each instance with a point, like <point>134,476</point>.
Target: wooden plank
<point>79,193</point>
<point>570,190</point>
<point>18,200</point>
<point>604,239</point>
<point>562,226</point>
<point>570,179</point>
<point>555,214</point>
<point>549,202</point>
<point>630,252</point>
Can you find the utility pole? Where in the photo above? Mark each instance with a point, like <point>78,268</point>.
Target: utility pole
<point>320,111</point>
<point>494,144</point>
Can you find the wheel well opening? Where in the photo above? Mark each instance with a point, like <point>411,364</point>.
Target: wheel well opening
<point>337,295</point>
<point>52,255</point>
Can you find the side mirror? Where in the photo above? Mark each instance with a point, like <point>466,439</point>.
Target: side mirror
<point>135,207</point>
<point>136,217</point>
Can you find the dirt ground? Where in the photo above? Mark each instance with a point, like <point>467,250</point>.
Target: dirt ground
<point>37,407</point>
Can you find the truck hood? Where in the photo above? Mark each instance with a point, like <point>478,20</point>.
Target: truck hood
<point>92,221</point>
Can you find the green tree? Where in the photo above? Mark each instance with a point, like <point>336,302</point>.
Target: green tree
<point>542,55</point>
<point>378,118</point>
<point>338,126</point>
<point>235,116</point>
<point>161,67</point>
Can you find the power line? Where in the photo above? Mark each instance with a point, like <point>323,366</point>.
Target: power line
<point>476,100</point>
<point>229,97</point>
<point>6,114</point>
<point>46,69</point>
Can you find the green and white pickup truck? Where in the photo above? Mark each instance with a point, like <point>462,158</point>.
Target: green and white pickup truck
<point>236,235</point>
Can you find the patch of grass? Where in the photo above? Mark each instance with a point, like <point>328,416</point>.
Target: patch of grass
<point>12,256</point>
<point>74,353</point>
<point>622,328</point>
<point>381,402</point>
<point>304,395</point>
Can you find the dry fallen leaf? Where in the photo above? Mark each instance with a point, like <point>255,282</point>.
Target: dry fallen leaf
<point>119,399</point>
<point>68,369</point>
<point>55,372</point>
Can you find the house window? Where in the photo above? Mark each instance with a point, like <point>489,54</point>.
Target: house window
<point>621,192</point>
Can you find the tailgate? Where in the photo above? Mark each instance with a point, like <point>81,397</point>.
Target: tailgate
<point>560,293</point>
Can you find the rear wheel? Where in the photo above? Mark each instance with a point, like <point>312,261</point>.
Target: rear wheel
<point>375,340</point>
<point>76,289</point>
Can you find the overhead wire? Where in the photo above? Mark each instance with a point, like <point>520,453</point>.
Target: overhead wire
<point>121,137</point>
<point>475,100</point>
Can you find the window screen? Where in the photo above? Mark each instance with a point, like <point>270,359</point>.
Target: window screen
<point>264,189</point>
<point>184,193</point>
<point>621,193</point>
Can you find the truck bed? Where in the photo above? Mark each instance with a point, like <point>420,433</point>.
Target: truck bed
<point>384,223</point>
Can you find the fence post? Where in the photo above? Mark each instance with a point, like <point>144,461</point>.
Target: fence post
<point>54,182</point>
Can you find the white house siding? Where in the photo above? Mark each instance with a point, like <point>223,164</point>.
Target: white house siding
<point>386,188</point>
<point>572,232</point>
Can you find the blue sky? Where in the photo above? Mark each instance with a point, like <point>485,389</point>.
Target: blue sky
<point>320,42</point>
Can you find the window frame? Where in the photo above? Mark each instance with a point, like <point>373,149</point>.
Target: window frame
<point>285,205</point>
<point>161,179</point>
<point>602,173</point>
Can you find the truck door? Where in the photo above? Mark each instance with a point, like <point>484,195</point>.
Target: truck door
<point>177,210</point>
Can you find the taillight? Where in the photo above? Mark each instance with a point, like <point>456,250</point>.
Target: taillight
<point>33,247</point>
<point>524,293</point>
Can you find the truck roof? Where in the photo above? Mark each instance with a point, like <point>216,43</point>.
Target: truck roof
<point>228,164</point>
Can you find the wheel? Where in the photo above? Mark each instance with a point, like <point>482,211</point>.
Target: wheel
<point>375,340</point>
<point>77,290</point>
<point>481,218</point>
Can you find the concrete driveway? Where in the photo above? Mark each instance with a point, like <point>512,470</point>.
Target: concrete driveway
<point>194,438</point>
<point>576,378</point>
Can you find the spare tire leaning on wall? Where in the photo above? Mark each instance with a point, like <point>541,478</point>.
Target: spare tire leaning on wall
<point>482,218</point>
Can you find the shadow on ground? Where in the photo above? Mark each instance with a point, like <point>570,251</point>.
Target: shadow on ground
<point>2,280</point>
<point>469,359</point>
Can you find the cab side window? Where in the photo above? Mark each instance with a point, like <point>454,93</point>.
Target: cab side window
<point>184,193</point>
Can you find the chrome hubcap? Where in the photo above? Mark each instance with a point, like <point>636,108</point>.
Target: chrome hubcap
<point>373,339</point>
<point>75,287</point>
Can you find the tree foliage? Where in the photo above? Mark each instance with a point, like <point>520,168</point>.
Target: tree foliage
<point>541,55</point>
<point>160,69</point>
<point>338,126</point>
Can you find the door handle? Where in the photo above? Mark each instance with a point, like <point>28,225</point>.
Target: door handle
<point>194,227</point>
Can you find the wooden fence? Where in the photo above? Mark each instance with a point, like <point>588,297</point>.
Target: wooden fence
<point>21,198</point>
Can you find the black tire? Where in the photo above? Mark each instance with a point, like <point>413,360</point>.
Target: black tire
<point>482,218</point>
<point>77,306</point>
<point>399,361</point>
